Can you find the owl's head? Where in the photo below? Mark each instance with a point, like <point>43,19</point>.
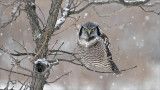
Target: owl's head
<point>89,31</point>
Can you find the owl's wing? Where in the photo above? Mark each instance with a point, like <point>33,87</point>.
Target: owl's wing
<point>113,66</point>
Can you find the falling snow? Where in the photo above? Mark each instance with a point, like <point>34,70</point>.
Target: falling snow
<point>29,29</point>
<point>147,18</point>
<point>78,26</point>
<point>14,10</point>
<point>85,15</point>
<point>1,34</point>
<point>101,77</point>
<point>132,17</point>
<point>121,27</point>
<point>140,44</point>
<point>134,37</point>
<point>20,30</point>
<point>113,84</point>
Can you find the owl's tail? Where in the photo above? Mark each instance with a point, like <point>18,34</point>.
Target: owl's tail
<point>114,68</point>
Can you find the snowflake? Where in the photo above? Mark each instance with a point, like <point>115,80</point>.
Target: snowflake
<point>113,84</point>
<point>140,44</point>
<point>121,27</point>
<point>85,15</point>
<point>1,34</point>
<point>29,29</point>
<point>134,37</point>
<point>147,17</point>
<point>14,10</point>
<point>78,26</point>
<point>101,77</point>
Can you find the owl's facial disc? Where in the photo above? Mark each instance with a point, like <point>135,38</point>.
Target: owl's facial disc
<point>89,34</point>
<point>89,31</point>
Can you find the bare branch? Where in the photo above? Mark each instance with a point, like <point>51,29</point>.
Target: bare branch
<point>23,46</point>
<point>53,13</point>
<point>19,73</point>
<point>58,50</point>
<point>158,13</point>
<point>67,27</point>
<point>108,15</point>
<point>23,83</point>
<point>22,54</point>
<point>93,3</point>
<point>60,77</point>
<point>10,4</point>
<point>14,16</point>
<point>62,19</point>
<point>150,5</point>
<point>15,61</point>
<point>9,78</point>
<point>133,3</point>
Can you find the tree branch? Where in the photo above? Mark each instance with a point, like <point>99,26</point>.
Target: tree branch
<point>53,14</point>
<point>133,3</point>
<point>60,77</point>
<point>19,73</point>
<point>15,14</point>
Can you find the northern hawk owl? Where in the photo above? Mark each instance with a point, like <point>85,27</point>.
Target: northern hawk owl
<point>93,48</point>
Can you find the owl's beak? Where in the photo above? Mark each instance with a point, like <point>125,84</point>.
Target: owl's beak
<point>89,32</point>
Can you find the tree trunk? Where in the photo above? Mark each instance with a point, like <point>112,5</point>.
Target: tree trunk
<point>41,37</point>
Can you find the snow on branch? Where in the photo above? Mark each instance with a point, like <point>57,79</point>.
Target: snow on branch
<point>43,61</point>
<point>133,3</point>
<point>62,19</point>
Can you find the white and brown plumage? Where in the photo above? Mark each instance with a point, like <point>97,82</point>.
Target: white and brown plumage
<point>94,48</point>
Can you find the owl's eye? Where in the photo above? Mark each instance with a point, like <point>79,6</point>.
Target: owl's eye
<point>92,30</point>
<point>85,29</point>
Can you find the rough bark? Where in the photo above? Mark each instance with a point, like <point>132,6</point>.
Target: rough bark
<point>41,37</point>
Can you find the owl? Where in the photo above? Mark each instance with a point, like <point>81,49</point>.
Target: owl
<point>93,47</point>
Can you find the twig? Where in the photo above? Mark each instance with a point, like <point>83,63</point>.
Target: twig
<point>23,83</point>
<point>9,78</point>
<point>21,45</point>
<point>109,15</point>
<point>19,73</point>
<point>10,4</point>
<point>58,49</point>
<point>67,27</point>
<point>14,16</point>
<point>60,77</point>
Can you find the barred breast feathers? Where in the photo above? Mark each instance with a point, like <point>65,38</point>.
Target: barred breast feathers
<point>84,43</point>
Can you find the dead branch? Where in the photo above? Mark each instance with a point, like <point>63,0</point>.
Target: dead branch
<point>14,15</point>
<point>60,77</point>
<point>15,61</point>
<point>19,73</point>
<point>53,13</point>
<point>133,3</point>
<point>23,46</point>
<point>9,4</point>
<point>58,50</point>
<point>108,15</point>
<point>23,84</point>
<point>9,78</point>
